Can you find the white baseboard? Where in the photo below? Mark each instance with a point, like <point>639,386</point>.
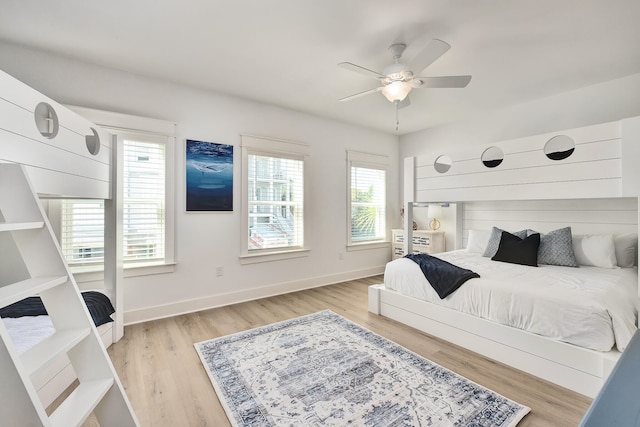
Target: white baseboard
<point>189,306</point>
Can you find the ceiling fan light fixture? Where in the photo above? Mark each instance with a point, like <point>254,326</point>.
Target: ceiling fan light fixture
<point>396,91</point>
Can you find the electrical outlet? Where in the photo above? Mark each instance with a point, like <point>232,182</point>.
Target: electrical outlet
<point>219,271</point>
<point>340,256</point>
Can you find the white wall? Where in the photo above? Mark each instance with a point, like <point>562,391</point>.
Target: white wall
<point>207,240</point>
<point>605,102</point>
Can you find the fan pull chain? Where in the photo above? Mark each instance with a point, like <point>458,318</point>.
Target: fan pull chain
<point>397,120</point>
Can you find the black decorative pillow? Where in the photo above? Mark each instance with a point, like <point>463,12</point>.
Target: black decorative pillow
<point>515,250</point>
<point>494,240</point>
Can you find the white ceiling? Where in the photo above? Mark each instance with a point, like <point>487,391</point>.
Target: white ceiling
<point>284,52</point>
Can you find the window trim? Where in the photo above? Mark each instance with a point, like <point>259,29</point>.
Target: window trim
<point>161,131</point>
<point>169,150</point>
<point>370,161</point>
<point>251,144</point>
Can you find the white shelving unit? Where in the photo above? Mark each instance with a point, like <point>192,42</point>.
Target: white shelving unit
<point>25,227</point>
<point>424,241</point>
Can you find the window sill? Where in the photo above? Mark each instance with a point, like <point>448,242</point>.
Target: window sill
<point>368,245</point>
<point>149,269</point>
<point>273,256</point>
<point>92,274</point>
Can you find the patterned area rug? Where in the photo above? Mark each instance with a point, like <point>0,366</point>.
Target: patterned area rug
<point>324,370</point>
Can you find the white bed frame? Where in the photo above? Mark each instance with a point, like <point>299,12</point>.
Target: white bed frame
<point>61,167</point>
<point>60,374</point>
<point>602,168</point>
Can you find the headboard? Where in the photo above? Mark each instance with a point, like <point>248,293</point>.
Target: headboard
<point>585,216</point>
<point>65,155</point>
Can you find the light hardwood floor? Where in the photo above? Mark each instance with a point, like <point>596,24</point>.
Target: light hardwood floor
<point>168,386</point>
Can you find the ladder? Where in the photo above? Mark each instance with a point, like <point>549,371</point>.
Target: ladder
<point>34,265</point>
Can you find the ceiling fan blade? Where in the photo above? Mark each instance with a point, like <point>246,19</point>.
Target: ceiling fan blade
<point>357,95</point>
<point>434,50</point>
<point>442,82</point>
<point>360,70</point>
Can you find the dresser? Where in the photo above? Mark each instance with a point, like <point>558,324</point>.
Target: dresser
<point>424,242</point>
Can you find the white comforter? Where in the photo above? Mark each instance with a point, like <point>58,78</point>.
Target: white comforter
<point>590,307</point>
<point>28,331</point>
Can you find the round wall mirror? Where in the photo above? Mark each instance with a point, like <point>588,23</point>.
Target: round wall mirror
<point>559,147</point>
<point>442,164</point>
<point>492,157</point>
<point>46,120</point>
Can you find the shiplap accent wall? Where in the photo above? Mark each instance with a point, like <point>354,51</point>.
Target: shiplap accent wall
<point>585,216</point>
<point>594,170</point>
<point>595,190</point>
<point>58,166</point>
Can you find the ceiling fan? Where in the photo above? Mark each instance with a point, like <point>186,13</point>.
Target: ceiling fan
<point>399,79</point>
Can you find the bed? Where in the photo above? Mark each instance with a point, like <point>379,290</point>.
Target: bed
<point>564,324</point>
<point>594,190</point>
<point>590,307</point>
<point>65,156</point>
<point>28,324</point>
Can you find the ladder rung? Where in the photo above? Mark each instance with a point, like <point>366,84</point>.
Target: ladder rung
<point>79,405</point>
<point>20,290</point>
<point>17,226</point>
<point>48,349</point>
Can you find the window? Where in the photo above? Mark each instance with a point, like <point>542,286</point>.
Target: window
<point>146,202</point>
<point>367,190</point>
<point>143,204</point>
<point>273,197</point>
<point>143,201</point>
<point>82,239</point>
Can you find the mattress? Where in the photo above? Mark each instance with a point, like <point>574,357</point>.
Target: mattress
<point>27,323</point>
<point>594,308</point>
<point>25,332</point>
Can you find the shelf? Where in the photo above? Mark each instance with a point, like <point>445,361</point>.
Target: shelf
<point>79,405</point>
<point>48,349</point>
<point>20,290</point>
<point>17,226</point>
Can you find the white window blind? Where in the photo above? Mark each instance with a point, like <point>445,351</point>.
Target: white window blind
<point>143,201</point>
<point>82,232</point>
<point>82,238</point>
<point>367,197</point>
<point>275,199</point>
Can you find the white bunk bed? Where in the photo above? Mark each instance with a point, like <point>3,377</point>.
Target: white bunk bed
<point>65,156</point>
<point>595,190</point>
<point>28,331</point>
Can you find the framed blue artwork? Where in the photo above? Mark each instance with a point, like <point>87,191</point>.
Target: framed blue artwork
<point>209,170</point>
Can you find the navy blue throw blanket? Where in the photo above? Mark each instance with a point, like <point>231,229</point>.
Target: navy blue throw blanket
<point>444,277</point>
<point>98,304</point>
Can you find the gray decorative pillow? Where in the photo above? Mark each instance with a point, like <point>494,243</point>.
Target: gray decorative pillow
<point>556,248</point>
<point>494,240</point>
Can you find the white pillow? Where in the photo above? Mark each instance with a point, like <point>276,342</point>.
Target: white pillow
<point>477,240</point>
<point>626,246</point>
<point>595,250</point>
